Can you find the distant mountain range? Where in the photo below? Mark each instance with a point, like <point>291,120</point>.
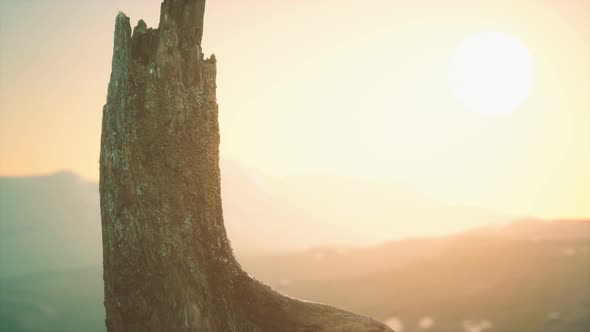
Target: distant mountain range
<point>313,238</point>
<point>48,222</point>
<point>54,221</point>
<point>529,276</point>
<point>525,276</point>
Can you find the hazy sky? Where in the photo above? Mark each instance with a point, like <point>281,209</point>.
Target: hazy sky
<point>353,88</point>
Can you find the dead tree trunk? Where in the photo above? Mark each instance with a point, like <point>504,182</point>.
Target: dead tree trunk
<point>168,265</point>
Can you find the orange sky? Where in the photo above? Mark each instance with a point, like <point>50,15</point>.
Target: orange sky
<point>326,87</point>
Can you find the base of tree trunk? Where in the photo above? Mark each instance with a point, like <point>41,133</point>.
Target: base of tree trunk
<point>268,310</point>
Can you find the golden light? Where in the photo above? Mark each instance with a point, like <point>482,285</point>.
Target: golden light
<point>491,73</point>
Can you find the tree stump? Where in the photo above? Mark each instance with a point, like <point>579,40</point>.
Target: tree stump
<point>168,265</point>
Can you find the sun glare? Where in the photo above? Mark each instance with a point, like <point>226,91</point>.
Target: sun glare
<point>491,73</point>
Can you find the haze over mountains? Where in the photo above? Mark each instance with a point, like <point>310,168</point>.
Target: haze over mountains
<point>304,236</point>
<point>48,222</point>
<point>262,213</point>
<point>524,276</point>
<point>528,276</point>
<point>54,221</point>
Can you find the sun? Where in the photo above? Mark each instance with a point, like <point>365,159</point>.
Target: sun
<point>491,73</point>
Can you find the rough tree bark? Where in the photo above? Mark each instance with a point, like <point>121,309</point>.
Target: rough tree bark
<point>168,265</point>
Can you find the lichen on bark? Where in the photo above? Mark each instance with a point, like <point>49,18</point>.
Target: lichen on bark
<point>168,264</point>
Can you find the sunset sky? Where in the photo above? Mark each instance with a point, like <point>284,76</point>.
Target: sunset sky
<point>347,88</point>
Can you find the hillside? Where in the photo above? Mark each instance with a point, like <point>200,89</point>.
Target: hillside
<point>528,276</point>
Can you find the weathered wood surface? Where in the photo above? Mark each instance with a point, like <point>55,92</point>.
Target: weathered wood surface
<point>168,265</point>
